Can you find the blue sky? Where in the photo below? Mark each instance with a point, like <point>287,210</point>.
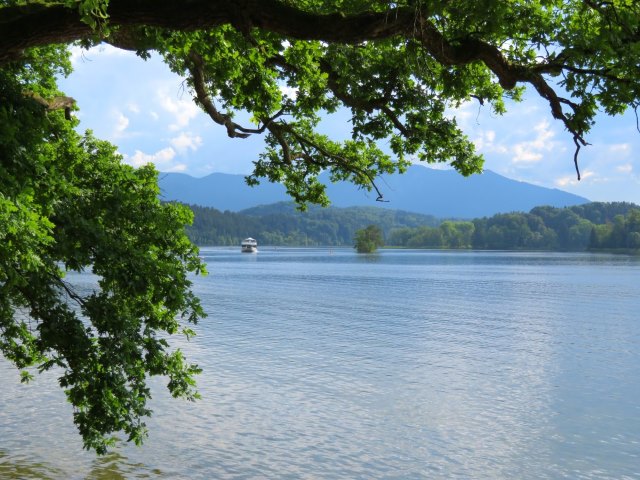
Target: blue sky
<point>145,109</point>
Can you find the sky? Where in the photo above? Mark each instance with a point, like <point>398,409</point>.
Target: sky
<point>147,111</point>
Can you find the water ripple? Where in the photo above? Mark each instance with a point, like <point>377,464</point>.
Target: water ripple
<point>326,364</point>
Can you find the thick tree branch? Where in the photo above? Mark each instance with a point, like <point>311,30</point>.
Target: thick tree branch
<point>55,103</point>
<point>234,130</point>
<point>31,26</point>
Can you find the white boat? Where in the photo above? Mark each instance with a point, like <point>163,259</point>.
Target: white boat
<point>249,245</point>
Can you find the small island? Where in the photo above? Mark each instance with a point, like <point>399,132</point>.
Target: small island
<point>367,240</point>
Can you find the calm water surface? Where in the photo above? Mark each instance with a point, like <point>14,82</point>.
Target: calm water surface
<point>404,364</point>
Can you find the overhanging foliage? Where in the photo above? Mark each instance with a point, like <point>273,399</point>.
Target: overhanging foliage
<point>68,203</point>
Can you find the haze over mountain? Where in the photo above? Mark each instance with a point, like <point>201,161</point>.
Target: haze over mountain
<point>441,193</point>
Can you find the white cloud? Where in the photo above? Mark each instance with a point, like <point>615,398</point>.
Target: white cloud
<point>523,153</point>
<point>180,167</point>
<point>183,111</point>
<point>573,179</point>
<point>106,49</point>
<point>566,180</point>
<point>620,149</point>
<point>464,112</point>
<point>290,92</point>
<point>186,141</point>
<point>207,168</point>
<point>133,107</point>
<point>77,53</point>
<point>161,159</point>
<point>122,123</point>
<point>80,54</point>
<point>485,143</point>
<point>626,168</point>
<point>531,151</point>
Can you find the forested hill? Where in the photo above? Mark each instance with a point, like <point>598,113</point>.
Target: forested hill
<point>594,225</point>
<point>441,193</point>
<point>282,224</point>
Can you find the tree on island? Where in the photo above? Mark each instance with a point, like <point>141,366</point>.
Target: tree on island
<point>367,240</point>
<point>67,203</point>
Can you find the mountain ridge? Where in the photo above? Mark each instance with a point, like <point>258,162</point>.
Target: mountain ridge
<point>441,193</point>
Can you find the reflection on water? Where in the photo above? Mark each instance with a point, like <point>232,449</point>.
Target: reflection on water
<point>18,466</point>
<point>110,467</point>
<point>326,364</point>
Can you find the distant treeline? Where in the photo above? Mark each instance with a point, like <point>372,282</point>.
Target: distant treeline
<point>598,225</point>
<point>282,224</point>
<point>611,226</point>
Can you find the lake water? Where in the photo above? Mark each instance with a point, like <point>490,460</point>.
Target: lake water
<point>325,364</point>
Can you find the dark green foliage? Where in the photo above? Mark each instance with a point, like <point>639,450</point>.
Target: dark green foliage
<point>602,212</point>
<point>449,234</point>
<point>367,240</point>
<point>621,234</point>
<point>513,231</point>
<point>544,228</point>
<point>213,227</point>
<point>281,224</point>
<point>67,203</point>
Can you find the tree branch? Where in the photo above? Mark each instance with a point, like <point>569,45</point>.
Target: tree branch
<point>234,130</point>
<point>55,103</point>
<point>305,142</point>
<point>31,26</point>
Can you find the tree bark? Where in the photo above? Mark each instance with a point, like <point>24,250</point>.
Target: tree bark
<point>31,26</point>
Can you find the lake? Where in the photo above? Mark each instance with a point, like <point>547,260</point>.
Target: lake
<point>324,364</point>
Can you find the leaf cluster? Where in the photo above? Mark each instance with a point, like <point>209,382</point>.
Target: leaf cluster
<point>69,204</point>
<point>368,239</point>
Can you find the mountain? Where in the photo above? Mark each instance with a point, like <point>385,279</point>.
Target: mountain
<point>219,190</point>
<point>441,193</point>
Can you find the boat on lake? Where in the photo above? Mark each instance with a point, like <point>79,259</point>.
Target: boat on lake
<point>249,245</point>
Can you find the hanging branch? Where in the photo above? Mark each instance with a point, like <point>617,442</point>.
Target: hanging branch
<point>234,130</point>
<point>578,141</point>
<point>337,159</point>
